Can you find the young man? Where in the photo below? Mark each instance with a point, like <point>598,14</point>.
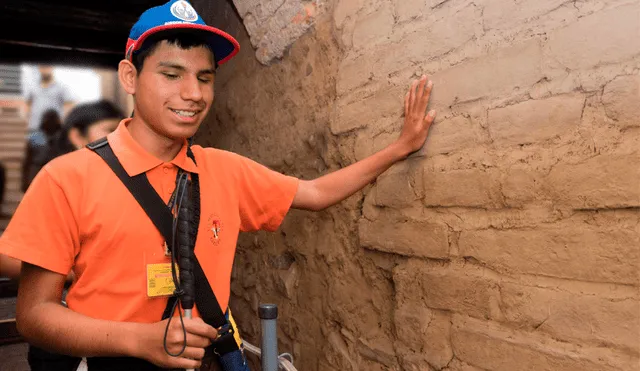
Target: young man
<point>78,215</point>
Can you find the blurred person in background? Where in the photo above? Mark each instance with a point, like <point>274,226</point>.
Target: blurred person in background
<point>84,124</point>
<point>41,146</point>
<point>88,122</point>
<point>47,95</point>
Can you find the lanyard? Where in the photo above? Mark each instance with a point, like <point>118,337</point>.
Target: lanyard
<point>171,204</point>
<point>172,200</point>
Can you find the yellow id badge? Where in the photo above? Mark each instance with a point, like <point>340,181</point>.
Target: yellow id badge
<point>160,280</point>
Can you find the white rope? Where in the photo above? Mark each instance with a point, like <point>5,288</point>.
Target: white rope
<point>284,363</point>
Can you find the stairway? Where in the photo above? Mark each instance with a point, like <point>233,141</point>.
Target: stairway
<point>13,137</point>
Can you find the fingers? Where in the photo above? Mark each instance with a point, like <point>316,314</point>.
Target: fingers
<point>428,119</point>
<point>198,341</point>
<point>184,363</point>
<point>418,96</point>
<point>194,353</point>
<point>189,356</point>
<point>412,93</point>
<point>176,351</point>
<point>406,103</point>
<point>198,335</point>
<point>420,92</point>
<point>197,327</point>
<point>426,96</point>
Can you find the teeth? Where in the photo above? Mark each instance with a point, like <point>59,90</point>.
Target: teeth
<point>185,113</point>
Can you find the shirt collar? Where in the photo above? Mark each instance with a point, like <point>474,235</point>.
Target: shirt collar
<point>136,160</point>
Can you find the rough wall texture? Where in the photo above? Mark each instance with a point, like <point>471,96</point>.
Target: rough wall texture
<point>511,242</point>
<point>274,25</point>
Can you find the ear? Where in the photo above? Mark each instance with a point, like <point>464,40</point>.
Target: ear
<point>76,138</point>
<point>127,75</point>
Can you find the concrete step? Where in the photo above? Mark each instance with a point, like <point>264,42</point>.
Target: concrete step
<point>13,197</point>
<point>13,136</point>
<point>6,137</point>
<point>9,208</point>
<point>14,356</point>
<point>13,149</point>
<point>14,131</point>
<point>13,174</point>
<point>13,123</point>
<point>12,120</point>
<point>9,334</point>
<point>6,127</point>
<point>13,171</point>
<point>13,185</point>
<point>13,154</point>
<point>12,145</point>
<point>7,305</point>
<point>13,164</point>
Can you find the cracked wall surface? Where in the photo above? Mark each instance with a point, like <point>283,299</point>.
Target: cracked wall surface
<point>510,242</point>
<point>273,26</point>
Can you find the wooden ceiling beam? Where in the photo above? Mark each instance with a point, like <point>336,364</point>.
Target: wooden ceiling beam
<point>20,53</point>
<point>17,32</point>
<point>37,14</point>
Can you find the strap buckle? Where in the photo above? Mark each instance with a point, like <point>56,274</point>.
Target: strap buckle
<point>225,342</point>
<point>226,329</point>
<point>98,143</point>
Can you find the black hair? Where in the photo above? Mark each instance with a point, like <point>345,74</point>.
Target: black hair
<point>82,117</point>
<point>50,123</point>
<point>184,39</point>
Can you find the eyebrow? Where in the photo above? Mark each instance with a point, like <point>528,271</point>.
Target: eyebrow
<point>182,68</point>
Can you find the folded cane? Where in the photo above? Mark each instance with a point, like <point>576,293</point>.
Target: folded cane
<point>185,248</point>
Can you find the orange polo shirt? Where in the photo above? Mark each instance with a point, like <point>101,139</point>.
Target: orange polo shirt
<point>78,215</point>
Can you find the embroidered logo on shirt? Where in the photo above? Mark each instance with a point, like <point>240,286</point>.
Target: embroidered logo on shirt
<point>215,227</point>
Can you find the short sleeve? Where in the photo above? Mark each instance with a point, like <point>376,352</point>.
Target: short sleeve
<point>43,231</point>
<point>265,196</point>
<point>65,93</point>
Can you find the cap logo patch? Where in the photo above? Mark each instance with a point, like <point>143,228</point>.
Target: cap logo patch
<point>184,11</point>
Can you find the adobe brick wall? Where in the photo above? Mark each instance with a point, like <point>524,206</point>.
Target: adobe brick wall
<point>510,242</point>
<point>274,25</point>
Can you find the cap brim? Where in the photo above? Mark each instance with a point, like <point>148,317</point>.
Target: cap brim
<point>223,45</point>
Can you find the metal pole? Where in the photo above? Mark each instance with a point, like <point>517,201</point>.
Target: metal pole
<point>268,315</point>
<point>188,314</point>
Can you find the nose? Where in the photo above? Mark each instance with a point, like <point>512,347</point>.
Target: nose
<point>191,89</point>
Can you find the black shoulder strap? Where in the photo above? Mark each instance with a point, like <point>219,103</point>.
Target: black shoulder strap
<point>140,188</point>
<point>162,218</point>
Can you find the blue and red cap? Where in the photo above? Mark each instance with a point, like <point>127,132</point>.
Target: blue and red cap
<point>180,15</point>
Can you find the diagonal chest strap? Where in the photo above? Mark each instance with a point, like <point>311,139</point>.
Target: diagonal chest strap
<point>162,218</point>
